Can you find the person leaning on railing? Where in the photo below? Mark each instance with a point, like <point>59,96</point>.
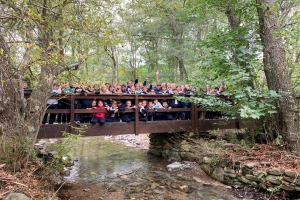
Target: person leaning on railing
<point>127,117</point>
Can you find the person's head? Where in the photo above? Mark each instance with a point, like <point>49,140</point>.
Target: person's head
<point>179,88</point>
<point>123,87</point>
<point>217,89</point>
<point>114,104</point>
<point>79,89</point>
<point>129,84</point>
<point>132,90</point>
<point>91,88</point>
<point>140,104</point>
<point>107,84</point>
<point>165,104</point>
<point>128,103</point>
<point>118,87</point>
<point>158,86</point>
<point>111,88</point>
<point>155,101</point>
<point>55,86</point>
<point>173,86</point>
<point>145,103</point>
<point>175,91</point>
<point>96,87</point>
<point>152,91</point>
<point>223,87</point>
<point>150,104</point>
<point>119,102</point>
<point>208,87</point>
<point>163,87</point>
<point>104,89</point>
<point>100,103</point>
<point>25,85</point>
<point>187,86</point>
<point>144,88</point>
<point>94,103</point>
<point>137,86</point>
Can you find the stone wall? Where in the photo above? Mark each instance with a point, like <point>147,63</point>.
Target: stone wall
<point>179,147</point>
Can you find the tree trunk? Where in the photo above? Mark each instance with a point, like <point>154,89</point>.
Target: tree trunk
<point>8,95</point>
<point>20,118</point>
<point>278,75</point>
<point>111,52</point>
<point>181,66</point>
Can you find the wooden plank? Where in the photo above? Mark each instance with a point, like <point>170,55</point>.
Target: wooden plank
<point>53,130</point>
<point>246,123</point>
<point>57,111</point>
<point>119,128</point>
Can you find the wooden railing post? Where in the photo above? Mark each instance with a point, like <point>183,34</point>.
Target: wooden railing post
<point>193,118</point>
<point>136,115</point>
<point>237,124</point>
<point>72,117</point>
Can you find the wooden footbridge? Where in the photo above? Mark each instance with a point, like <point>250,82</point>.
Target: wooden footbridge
<point>135,127</point>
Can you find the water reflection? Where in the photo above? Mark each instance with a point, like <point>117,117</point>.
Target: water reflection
<point>98,158</point>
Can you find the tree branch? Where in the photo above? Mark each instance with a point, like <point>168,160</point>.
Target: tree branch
<point>65,67</point>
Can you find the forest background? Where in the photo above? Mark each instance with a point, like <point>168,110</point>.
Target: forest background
<point>252,45</point>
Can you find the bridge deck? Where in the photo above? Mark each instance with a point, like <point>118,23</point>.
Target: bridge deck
<point>120,128</point>
<point>134,127</point>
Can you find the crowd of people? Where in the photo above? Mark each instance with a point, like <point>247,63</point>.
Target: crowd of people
<point>115,107</point>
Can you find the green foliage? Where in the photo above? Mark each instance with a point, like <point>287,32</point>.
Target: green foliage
<point>214,161</point>
<point>278,140</point>
<point>275,189</point>
<point>263,174</point>
<point>233,138</point>
<point>233,56</point>
<point>14,149</point>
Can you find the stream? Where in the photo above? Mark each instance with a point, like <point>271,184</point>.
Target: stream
<point>108,169</point>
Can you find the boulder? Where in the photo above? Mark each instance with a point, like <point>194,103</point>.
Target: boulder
<point>273,179</point>
<point>274,171</point>
<point>17,196</point>
<point>218,174</point>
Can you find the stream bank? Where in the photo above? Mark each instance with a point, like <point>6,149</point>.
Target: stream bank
<point>262,167</point>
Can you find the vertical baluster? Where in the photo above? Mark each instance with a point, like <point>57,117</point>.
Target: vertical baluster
<point>72,119</point>
<point>192,114</point>
<point>136,114</point>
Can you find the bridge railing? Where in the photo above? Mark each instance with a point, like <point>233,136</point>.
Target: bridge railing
<point>136,127</point>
